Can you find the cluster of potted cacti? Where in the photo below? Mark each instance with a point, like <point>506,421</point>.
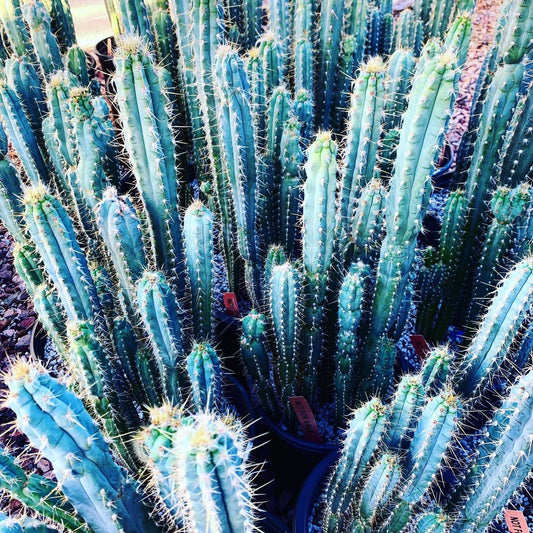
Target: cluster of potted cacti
<point>283,153</point>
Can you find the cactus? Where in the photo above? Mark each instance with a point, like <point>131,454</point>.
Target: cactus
<point>203,368</point>
<point>303,46</point>
<point>199,252</point>
<point>436,369</point>
<point>36,492</point>
<point>159,313</point>
<point>239,163</point>
<point>44,41</point>
<point>76,63</point>
<point>499,327</point>
<point>62,25</point>
<point>285,301</point>
<point>11,208</point>
<point>317,247</point>
<point>15,29</point>
<point>503,461</point>
<point>404,212</point>
<point>56,422</point>
<point>351,301</point>
<point>360,155</point>
<point>365,429</point>
<point>214,449</point>
<point>150,145</point>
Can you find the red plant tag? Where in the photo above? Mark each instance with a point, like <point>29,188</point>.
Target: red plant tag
<point>420,345</point>
<point>306,418</point>
<point>516,521</point>
<point>231,304</point>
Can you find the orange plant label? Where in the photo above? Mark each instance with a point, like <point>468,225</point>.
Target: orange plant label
<point>306,418</point>
<point>420,345</point>
<point>516,521</point>
<point>231,304</point>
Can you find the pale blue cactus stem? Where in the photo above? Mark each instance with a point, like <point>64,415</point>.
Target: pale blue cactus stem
<point>365,429</point>
<point>362,136</point>
<point>44,41</point>
<point>256,78</point>
<point>350,57</point>
<point>121,231</point>
<point>291,159</point>
<point>240,163</point>
<point>367,223</point>
<point>56,422</point>
<point>303,55</point>
<point>351,302</point>
<point>150,144</point>
<point>432,523</point>
<point>404,31</point>
<point>203,368</point>
<point>24,524</point>
<point>21,135</point>
<point>65,263</point>
<point>319,222</point>
<point>159,311</point>
<point>425,122</point>
<point>199,253</point>
<point>458,37</point>
<point>36,492</point>
<point>515,31</point>
<point>436,369</point>
<point>271,55</point>
<point>280,24</point>
<point>405,410</point>
<point>379,487</point>
<point>400,70</point>
<point>285,300</point>
<point>254,353</point>
<point>499,327</point>
<point>304,111</point>
<point>214,450</point>
<point>133,19</point>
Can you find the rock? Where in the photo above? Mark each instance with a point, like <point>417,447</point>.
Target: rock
<point>9,333</point>
<point>23,342</point>
<point>27,323</point>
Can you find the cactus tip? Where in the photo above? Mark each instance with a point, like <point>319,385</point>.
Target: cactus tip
<point>35,193</point>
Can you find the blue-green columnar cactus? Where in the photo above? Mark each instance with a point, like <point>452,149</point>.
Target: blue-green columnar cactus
<point>458,37</point>
<point>362,136</point>
<point>238,139</point>
<point>404,31</point>
<point>506,206</point>
<point>291,158</point>
<point>365,429</point>
<point>515,31</point>
<point>280,21</point>
<point>400,70</point>
<point>425,455</point>
<point>421,136</point>
<point>367,224</point>
<point>502,463</point>
<point>405,411</point>
<point>271,59</point>
<point>285,299</point>
<point>499,328</point>
<point>436,369</point>
<point>36,492</point>
<point>317,243</point>
<point>75,62</point>
<point>158,308</point>
<point>210,449</point>
<point>24,80</point>
<point>56,423</point>
<point>351,303</point>
<point>303,29</point>
<point>62,23</point>
<point>158,13</point>
<point>254,352</point>
<point>133,18</point>
<point>11,208</point>
<point>121,230</point>
<point>432,523</point>
<point>379,487</point>
<point>24,524</point>
<point>199,253</point>
<point>203,368</point>
<point>55,239</point>
<point>149,141</point>
<point>44,41</point>
<point>21,135</point>
<point>15,29</point>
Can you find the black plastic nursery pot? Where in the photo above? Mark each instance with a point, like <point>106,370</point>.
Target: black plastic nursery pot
<point>91,64</point>
<point>38,339</point>
<point>104,51</point>
<point>311,491</point>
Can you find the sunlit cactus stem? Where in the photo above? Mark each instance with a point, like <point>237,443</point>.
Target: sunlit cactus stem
<point>317,242</point>
<point>203,368</point>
